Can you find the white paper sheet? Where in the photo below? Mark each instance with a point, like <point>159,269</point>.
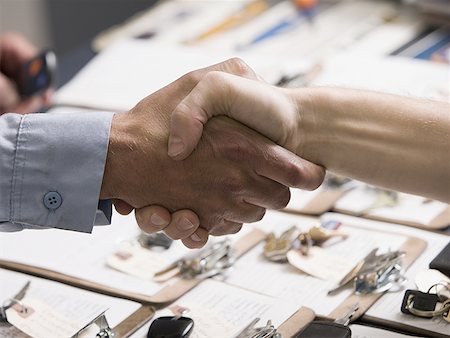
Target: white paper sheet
<point>70,301</point>
<point>221,310</point>
<point>123,74</point>
<point>254,272</point>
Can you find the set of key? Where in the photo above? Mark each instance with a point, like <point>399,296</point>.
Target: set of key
<point>214,260</point>
<point>375,274</point>
<point>276,248</point>
<point>266,331</point>
<point>426,304</point>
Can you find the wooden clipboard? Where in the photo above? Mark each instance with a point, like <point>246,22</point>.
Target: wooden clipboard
<point>165,295</point>
<point>297,322</point>
<point>327,199</point>
<point>413,247</point>
<point>439,222</point>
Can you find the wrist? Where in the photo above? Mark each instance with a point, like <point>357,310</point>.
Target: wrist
<point>306,120</point>
<point>118,140</point>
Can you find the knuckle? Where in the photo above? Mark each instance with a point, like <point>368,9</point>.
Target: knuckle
<point>294,175</point>
<point>192,77</point>
<point>239,66</point>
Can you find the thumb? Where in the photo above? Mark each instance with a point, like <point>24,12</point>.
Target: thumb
<point>253,103</point>
<point>9,97</point>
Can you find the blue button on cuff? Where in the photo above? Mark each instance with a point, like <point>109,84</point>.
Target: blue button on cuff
<point>52,200</point>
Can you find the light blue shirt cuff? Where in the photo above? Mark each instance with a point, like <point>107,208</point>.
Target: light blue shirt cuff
<point>51,170</point>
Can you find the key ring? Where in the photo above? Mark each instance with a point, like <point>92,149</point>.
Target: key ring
<point>444,284</point>
<point>427,314</point>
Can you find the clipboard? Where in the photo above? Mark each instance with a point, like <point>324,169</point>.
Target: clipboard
<point>127,316</point>
<point>412,247</point>
<point>318,203</point>
<point>165,295</point>
<point>440,222</point>
<point>326,199</point>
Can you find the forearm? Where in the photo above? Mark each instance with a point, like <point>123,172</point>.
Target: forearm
<point>396,142</point>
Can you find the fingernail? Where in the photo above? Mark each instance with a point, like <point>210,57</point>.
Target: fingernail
<point>185,224</point>
<point>157,220</point>
<point>195,237</point>
<point>176,146</point>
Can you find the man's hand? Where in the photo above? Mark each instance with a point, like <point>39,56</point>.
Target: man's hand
<point>231,178</point>
<point>267,109</point>
<point>14,51</point>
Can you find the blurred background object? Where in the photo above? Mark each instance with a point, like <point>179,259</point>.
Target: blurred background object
<point>65,24</point>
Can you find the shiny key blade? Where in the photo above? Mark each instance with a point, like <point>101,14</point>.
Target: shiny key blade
<point>248,329</point>
<point>351,276</point>
<point>22,292</point>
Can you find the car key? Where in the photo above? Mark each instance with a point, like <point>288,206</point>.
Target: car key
<point>323,329</point>
<point>171,327</point>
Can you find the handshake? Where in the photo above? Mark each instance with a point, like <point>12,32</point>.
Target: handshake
<point>192,178</point>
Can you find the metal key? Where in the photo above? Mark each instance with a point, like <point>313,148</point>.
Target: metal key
<point>214,260</point>
<point>267,331</point>
<point>276,249</point>
<point>10,302</point>
<point>375,273</point>
<point>350,277</point>
<point>323,329</point>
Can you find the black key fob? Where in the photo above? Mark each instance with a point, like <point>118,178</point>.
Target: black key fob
<point>171,327</point>
<point>442,261</point>
<point>37,74</point>
<point>420,301</point>
<point>323,329</point>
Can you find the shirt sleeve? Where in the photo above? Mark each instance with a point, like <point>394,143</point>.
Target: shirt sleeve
<point>51,171</point>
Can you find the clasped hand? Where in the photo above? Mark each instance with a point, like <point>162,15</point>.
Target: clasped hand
<point>231,177</point>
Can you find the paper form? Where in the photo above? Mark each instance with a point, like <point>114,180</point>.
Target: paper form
<point>410,208</point>
<point>105,82</point>
<point>325,36</point>
<point>221,310</point>
<point>84,255</point>
<point>254,272</point>
<point>165,19</point>
<point>78,305</point>
<point>388,307</point>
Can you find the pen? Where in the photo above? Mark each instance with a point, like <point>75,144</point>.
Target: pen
<point>248,12</point>
<point>305,9</point>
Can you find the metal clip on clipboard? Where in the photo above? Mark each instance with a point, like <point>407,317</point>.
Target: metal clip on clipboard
<point>104,330</point>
